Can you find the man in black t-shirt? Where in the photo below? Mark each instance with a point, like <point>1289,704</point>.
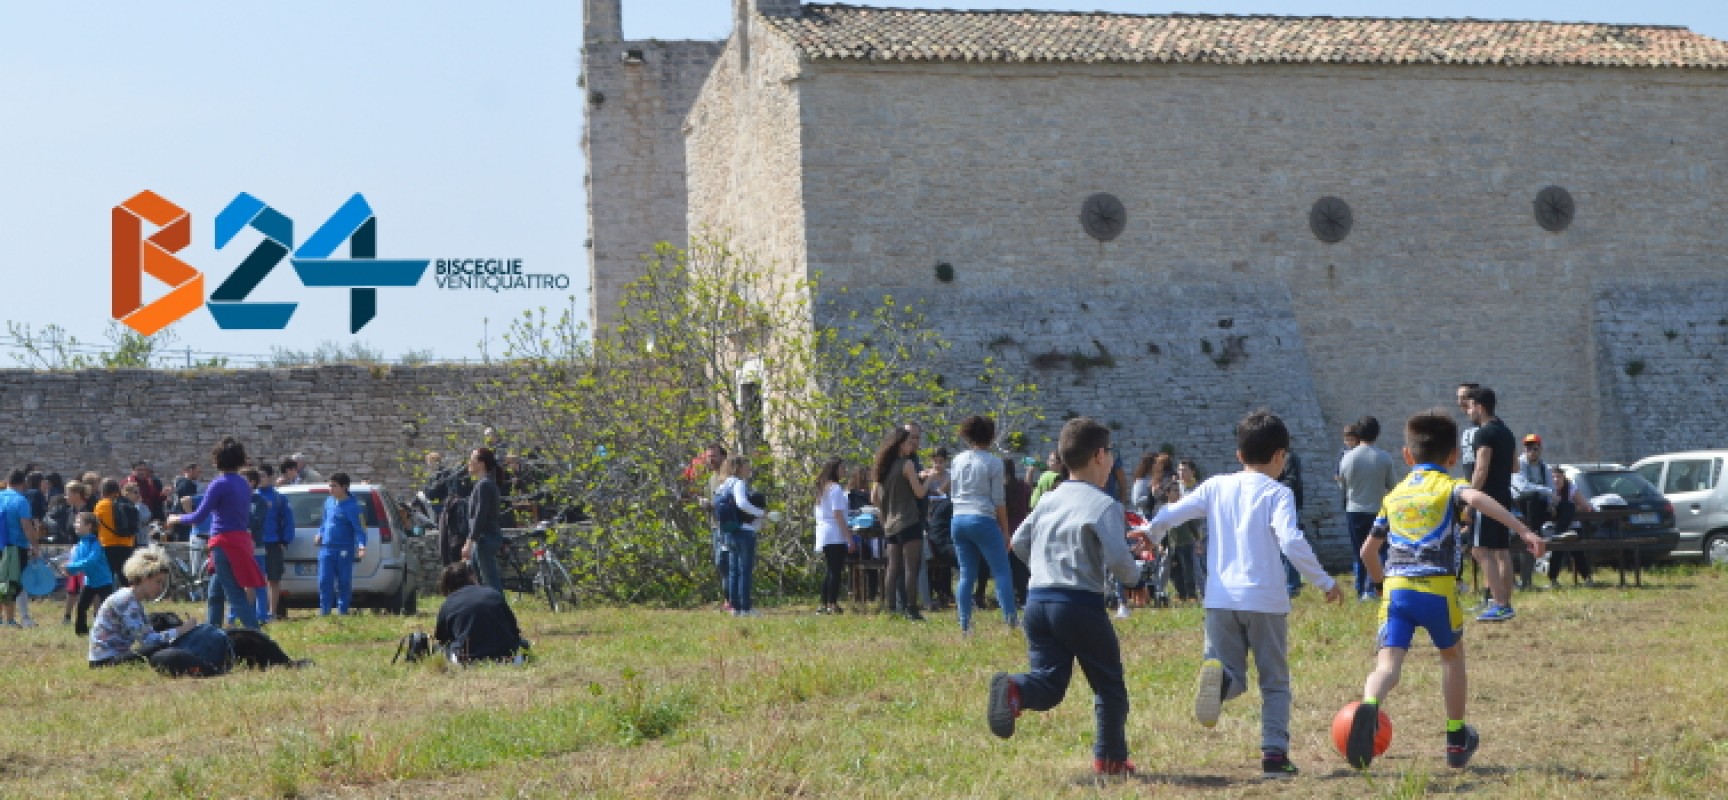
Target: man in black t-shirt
<point>1496,459</point>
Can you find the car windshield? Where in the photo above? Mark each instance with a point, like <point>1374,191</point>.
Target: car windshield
<point>309,508</point>
<point>1629,485</point>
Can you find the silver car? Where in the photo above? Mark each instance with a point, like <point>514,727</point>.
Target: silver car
<point>382,580</point>
<point>1692,481</point>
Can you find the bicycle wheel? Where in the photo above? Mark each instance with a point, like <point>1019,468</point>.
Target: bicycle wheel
<point>167,585</point>
<point>546,583</point>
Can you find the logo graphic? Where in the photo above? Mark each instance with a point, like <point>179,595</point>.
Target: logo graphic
<point>362,269</point>
<point>135,256</point>
<point>362,272</point>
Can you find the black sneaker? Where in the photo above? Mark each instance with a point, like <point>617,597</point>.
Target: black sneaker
<point>1277,765</point>
<point>1458,756</point>
<point>1359,748</point>
<point>1004,704</point>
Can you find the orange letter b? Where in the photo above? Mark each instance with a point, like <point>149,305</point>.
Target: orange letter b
<point>134,256</point>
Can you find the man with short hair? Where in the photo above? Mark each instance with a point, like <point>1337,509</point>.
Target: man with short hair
<point>18,532</point>
<point>185,489</point>
<point>1366,474</point>
<point>1467,432</point>
<point>1495,455</point>
<point>307,474</point>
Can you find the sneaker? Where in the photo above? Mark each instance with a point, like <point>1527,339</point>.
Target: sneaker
<point>1004,705</point>
<point>1359,747</point>
<point>1209,692</point>
<point>1121,612</point>
<point>28,623</point>
<point>824,611</point>
<point>1497,613</point>
<point>1458,756</point>
<point>913,615</point>
<point>65,620</point>
<point>1104,766</point>
<point>1277,765</point>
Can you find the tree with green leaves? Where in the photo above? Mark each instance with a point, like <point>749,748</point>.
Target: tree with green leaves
<point>712,346</point>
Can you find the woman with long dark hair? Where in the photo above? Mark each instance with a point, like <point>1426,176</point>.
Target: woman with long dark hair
<point>832,537</point>
<point>898,490</point>
<point>485,535</point>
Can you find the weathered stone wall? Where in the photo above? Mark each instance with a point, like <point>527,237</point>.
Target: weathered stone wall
<point>373,423</point>
<point>633,116</point>
<point>1657,349</point>
<point>1178,364</point>
<point>744,147</point>
<point>1445,277</point>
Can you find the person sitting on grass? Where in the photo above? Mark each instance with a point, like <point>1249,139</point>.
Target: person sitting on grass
<point>1417,527</point>
<point>121,627</point>
<point>475,623</point>
<point>1073,542</point>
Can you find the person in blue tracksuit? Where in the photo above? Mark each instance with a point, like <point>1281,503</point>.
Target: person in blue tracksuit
<point>341,540</point>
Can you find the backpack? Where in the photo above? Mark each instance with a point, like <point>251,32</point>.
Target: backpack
<point>727,516</point>
<point>413,647</point>
<point>126,522</point>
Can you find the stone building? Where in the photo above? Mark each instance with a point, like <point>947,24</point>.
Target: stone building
<point>1167,220</point>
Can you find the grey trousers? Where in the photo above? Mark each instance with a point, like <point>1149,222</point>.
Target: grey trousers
<point>1230,635</point>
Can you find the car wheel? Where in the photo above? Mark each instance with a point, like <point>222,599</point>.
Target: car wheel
<point>1716,549</point>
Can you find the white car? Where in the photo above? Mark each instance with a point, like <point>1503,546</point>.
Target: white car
<point>384,579</point>
<point>1692,481</point>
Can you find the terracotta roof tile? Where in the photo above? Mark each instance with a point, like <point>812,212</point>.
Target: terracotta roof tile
<point>855,33</point>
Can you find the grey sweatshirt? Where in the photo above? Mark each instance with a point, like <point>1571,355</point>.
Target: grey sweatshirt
<point>977,487</point>
<point>1075,539</point>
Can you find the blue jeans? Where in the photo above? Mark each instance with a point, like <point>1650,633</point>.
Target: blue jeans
<point>265,612</point>
<point>1360,523</point>
<point>978,540</point>
<point>722,563</point>
<point>486,561</point>
<point>1057,635</point>
<point>741,572</point>
<point>335,579</point>
<point>224,588</point>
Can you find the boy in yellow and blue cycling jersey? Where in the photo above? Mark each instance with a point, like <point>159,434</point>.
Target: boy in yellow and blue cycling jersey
<point>1418,524</point>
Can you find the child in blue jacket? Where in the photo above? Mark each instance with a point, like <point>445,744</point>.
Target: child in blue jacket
<point>88,559</point>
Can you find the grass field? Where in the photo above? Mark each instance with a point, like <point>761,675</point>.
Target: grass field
<point>1589,693</point>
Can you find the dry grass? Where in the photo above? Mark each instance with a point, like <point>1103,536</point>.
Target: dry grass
<point>1589,693</point>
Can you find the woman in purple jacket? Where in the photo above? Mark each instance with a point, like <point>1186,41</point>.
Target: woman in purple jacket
<point>228,501</point>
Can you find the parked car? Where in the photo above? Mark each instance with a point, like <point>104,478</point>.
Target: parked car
<point>384,579</point>
<point>1692,481</point>
<point>1652,514</point>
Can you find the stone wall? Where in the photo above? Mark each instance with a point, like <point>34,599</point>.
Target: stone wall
<point>373,423</point>
<point>1656,349</point>
<point>744,147</point>
<point>1445,277</point>
<point>1177,365</point>
<point>636,94</point>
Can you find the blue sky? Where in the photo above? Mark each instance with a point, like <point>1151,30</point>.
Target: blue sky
<point>460,122</point>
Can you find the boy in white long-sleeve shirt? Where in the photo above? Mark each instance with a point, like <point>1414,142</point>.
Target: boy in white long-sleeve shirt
<point>1253,521</point>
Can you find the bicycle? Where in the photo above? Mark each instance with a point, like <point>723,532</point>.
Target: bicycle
<point>542,575</point>
<point>185,575</point>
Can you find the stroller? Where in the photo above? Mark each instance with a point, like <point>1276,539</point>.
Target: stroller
<point>1153,555</point>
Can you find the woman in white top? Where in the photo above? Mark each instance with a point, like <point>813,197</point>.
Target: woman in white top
<point>741,543</point>
<point>832,538</point>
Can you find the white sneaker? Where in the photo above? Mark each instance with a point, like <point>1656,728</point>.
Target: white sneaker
<point>26,623</point>
<point>1121,612</point>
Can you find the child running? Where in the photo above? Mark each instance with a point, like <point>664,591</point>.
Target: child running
<point>90,561</point>
<point>1418,520</point>
<point>1073,542</point>
<point>1253,521</point>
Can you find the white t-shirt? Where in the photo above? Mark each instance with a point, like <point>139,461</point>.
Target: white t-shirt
<point>827,532</point>
<point>1252,521</point>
